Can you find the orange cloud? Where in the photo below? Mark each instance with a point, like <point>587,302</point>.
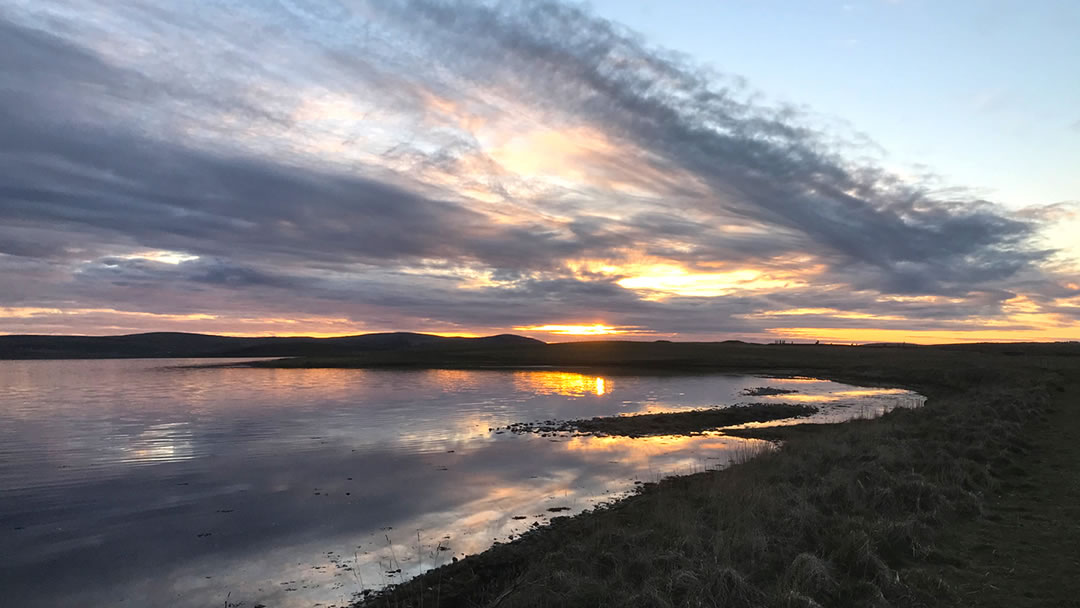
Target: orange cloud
<point>670,279</point>
<point>113,321</point>
<point>657,278</point>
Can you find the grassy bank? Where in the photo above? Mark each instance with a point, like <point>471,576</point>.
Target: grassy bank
<point>669,423</point>
<point>865,363</point>
<point>867,513</point>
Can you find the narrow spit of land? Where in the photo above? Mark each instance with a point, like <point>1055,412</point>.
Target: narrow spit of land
<point>969,501</point>
<point>669,423</point>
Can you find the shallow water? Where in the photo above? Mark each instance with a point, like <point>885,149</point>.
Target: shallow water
<point>146,483</point>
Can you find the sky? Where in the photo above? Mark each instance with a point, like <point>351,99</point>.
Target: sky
<point>860,171</point>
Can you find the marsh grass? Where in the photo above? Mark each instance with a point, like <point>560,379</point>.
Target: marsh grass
<point>843,515</point>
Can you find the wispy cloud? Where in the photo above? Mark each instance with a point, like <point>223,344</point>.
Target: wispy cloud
<point>456,166</point>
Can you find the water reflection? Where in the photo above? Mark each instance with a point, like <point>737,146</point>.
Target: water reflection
<point>839,404</point>
<point>834,396</point>
<point>569,384</point>
<point>166,442</point>
<point>124,483</point>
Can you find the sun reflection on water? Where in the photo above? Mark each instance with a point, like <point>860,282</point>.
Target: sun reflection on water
<point>569,384</point>
<point>166,442</point>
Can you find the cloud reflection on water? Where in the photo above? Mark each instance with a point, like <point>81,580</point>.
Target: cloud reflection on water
<point>124,482</point>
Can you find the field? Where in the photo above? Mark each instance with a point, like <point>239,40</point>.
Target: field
<point>970,501</point>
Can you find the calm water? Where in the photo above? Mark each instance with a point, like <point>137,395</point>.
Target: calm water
<point>141,483</point>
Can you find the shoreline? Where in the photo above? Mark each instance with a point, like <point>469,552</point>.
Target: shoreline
<point>846,514</point>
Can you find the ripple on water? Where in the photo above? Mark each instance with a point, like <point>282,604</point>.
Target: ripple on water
<point>144,481</point>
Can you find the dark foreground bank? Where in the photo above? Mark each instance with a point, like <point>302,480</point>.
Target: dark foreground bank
<point>886,512</point>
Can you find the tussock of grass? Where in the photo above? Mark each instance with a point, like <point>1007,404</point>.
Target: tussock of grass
<point>670,423</point>
<point>843,517</point>
<point>810,575</point>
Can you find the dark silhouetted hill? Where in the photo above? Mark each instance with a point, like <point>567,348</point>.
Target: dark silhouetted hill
<point>163,344</point>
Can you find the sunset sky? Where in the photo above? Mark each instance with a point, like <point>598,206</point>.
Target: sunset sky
<point>858,171</point>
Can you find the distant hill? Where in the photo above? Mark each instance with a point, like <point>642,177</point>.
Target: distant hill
<point>401,348</point>
<point>162,344</point>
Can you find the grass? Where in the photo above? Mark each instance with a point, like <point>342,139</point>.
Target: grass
<point>669,423</point>
<point>1025,550</point>
<point>896,511</point>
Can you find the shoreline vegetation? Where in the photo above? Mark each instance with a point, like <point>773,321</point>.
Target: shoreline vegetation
<point>668,423</point>
<point>901,510</point>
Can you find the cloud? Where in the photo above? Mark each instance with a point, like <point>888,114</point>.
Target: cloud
<point>450,164</point>
<point>761,165</point>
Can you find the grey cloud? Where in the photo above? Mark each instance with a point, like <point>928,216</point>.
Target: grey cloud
<point>141,272</point>
<point>388,300</point>
<point>98,159</point>
<point>763,166</point>
<point>114,184</point>
<point>158,195</point>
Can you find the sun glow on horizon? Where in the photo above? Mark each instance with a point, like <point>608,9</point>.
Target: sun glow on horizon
<point>923,336</point>
<point>597,329</point>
